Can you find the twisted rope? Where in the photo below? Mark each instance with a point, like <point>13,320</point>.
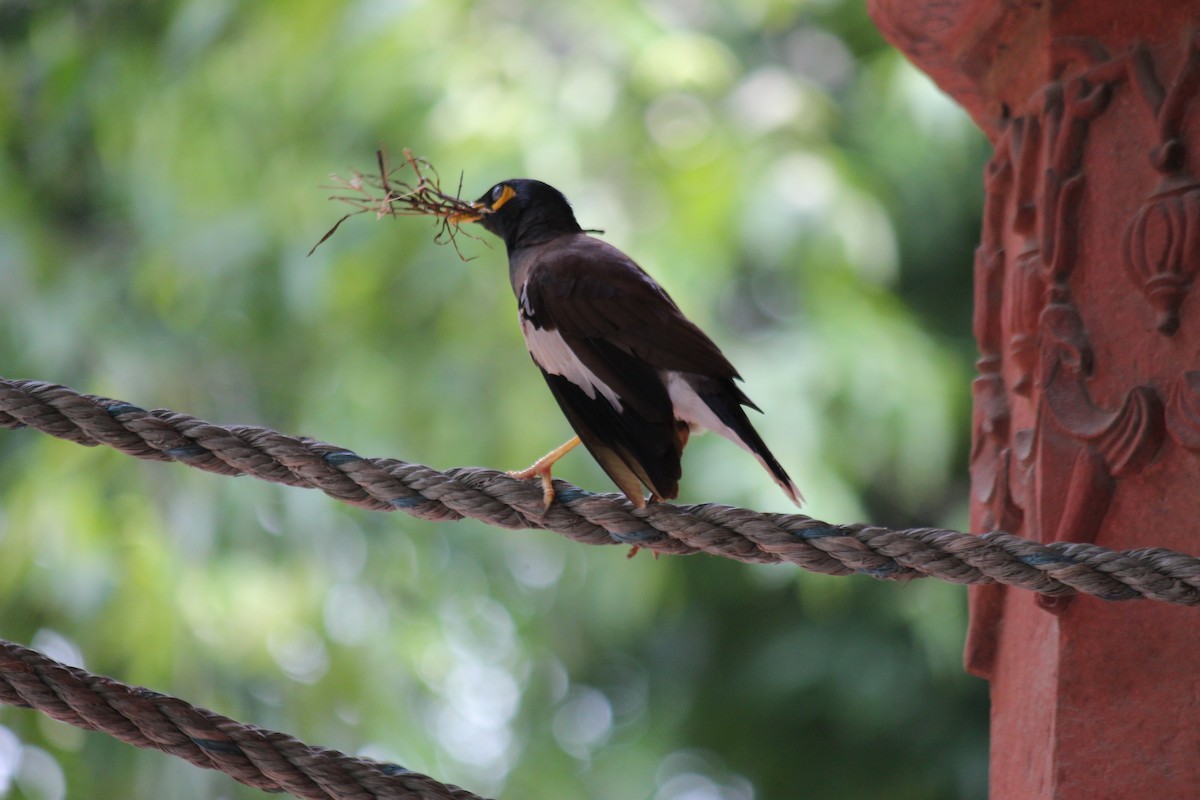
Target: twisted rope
<point>384,484</point>
<point>273,762</point>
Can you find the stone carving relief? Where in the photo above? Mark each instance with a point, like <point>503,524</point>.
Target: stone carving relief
<point>991,449</point>
<point>1183,411</point>
<point>1036,412</point>
<point>1162,242</point>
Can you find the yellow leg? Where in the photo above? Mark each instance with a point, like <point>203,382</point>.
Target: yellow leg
<point>541,468</point>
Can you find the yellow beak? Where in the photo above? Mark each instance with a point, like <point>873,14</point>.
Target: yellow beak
<point>467,216</point>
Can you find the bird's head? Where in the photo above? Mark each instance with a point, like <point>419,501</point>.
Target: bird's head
<point>523,212</point>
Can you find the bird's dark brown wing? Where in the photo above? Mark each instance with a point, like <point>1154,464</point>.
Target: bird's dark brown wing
<point>589,289</point>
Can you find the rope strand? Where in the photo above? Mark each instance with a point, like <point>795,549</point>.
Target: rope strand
<point>383,484</point>
<point>273,762</point>
<point>277,762</point>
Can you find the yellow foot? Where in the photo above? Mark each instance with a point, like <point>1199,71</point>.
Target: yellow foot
<point>635,549</point>
<point>541,468</point>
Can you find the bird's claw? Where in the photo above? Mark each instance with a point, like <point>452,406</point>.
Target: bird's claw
<point>547,483</point>
<point>541,468</point>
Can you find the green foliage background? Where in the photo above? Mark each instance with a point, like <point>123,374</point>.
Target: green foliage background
<point>803,193</point>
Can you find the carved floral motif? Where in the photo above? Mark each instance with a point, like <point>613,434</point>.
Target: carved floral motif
<point>1162,242</point>
<point>1162,251</point>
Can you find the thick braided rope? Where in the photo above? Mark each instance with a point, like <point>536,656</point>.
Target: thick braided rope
<point>273,762</point>
<point>384,484</point>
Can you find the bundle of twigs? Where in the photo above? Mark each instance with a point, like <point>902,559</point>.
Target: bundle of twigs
<point>390,194</point>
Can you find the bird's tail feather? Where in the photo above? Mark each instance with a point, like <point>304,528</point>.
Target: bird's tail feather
<point>748,438</point>
<point>777,472</point>
<point>726,403</point>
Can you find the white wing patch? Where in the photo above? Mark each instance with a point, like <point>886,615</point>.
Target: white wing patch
<point>555,356</point>
<point>690,408</point>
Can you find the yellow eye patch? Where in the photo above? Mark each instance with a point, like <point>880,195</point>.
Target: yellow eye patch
<point>506,193</point>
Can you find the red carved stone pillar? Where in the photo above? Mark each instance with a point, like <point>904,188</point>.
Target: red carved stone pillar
<point>1087,403</point>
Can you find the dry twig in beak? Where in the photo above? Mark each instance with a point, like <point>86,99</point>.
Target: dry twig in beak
<point>387,195</point>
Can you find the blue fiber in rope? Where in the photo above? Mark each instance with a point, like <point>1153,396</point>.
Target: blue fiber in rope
<point>394,769</point>
<point>186,451</point>
<point>1049,557</point>
<point>407,502</point>
<point>570,495</point>
<point>116,409</point>
<point>820,532</point>
<point>881,572</point>
<point>637,537</point>
<point>342,457</point>
<point>216,746</point>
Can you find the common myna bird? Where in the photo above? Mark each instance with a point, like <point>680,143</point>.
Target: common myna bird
<point>632,374</point>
